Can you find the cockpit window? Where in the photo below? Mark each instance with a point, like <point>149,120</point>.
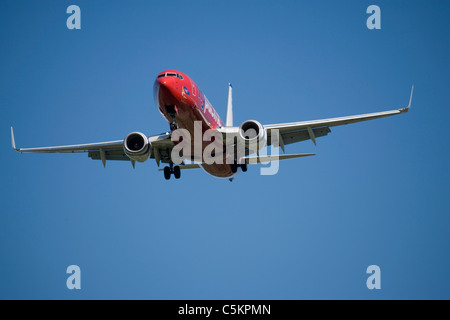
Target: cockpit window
<point>170,74</point>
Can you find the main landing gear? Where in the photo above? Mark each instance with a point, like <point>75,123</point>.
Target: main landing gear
<point>175,170</point>
<point>235,166</point>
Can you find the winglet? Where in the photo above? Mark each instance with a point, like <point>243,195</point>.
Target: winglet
<point>13,141</point>
<point>410,99</point>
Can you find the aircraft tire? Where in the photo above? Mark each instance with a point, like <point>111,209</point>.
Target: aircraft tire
<point>167,173</point>
<point>177,172</point>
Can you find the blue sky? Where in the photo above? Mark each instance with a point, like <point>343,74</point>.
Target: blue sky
<point>375,193</point>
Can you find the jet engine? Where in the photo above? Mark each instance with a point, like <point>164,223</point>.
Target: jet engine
<point>252,133</point>
<point>136,146</point>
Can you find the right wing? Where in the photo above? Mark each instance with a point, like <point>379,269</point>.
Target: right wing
<point>161,147</point>
<point>299,131</point>
<point>304,130</point>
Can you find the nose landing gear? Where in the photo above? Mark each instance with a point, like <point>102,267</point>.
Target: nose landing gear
<point>173,125</point>
<point>172,111</point>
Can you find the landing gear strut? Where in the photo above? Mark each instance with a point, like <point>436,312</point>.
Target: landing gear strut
<point>172,169</point>
<point>173,127</point>
<point>173,124</point>
<point>172,111</point>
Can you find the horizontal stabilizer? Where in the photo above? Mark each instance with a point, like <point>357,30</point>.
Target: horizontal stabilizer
<point>186,166</point>
<point>265,159</point>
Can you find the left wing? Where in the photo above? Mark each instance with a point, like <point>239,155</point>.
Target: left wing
<point>161,146</point>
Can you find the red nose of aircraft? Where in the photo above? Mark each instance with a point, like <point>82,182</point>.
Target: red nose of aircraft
<point>167,89</point>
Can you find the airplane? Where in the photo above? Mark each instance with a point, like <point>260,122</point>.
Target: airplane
<point>184,106</point>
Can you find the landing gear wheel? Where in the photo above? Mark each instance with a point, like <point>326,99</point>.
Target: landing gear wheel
<point>234,167</point>
<point>167,173</point>
<point>244,167</point>
<point>177,172</point>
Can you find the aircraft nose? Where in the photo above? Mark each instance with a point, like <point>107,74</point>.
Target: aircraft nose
<point>168,84</point>
<point>161,80</point>
<point>166,89</point>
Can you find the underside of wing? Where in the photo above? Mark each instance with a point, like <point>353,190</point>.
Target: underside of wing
<point>297,135</point>
<point>304,130</point>
<point>160,147</point>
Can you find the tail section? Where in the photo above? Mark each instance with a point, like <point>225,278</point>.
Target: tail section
<point>229,122</point>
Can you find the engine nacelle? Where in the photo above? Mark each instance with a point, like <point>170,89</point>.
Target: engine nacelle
<point>252,133</point>
<point>136,146</point>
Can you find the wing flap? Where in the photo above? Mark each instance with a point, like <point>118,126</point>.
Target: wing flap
<point>299,135</point>
<point>117,154</point>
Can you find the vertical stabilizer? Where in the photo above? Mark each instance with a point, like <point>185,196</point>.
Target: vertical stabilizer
<point>229,122</point>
